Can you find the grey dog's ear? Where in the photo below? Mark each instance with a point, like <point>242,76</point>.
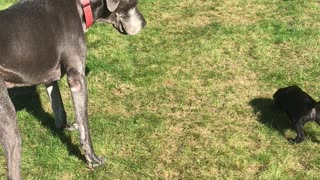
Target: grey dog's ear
<point>112,5</point>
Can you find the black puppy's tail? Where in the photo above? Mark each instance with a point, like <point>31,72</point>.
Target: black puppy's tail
<point>282,92</point>
<point>276,98</point>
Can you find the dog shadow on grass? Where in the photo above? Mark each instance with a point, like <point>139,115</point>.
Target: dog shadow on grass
<point>28,98</point>
<point>269,115</point>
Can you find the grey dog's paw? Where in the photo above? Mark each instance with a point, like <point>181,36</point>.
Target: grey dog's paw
<point>96,162</point>
<point>72,127</point>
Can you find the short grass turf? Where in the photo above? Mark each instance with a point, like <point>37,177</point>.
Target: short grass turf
<point>187,98</point>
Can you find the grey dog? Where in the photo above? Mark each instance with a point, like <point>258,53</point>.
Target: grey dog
<point>42,40</point>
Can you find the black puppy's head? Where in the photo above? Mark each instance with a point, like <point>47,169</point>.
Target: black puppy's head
<point>124,16</point>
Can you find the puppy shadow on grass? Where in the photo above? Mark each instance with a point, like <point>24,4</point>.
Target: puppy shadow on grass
<point>28,98</point>
<point>269,115</point>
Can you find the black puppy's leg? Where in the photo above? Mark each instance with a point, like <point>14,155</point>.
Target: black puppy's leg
<point>9,134</point>
<point>77,83</point>
<point>300,133</point>
<point>57,105</point>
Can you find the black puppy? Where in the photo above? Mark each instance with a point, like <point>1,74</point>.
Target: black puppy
<point>299,107</point>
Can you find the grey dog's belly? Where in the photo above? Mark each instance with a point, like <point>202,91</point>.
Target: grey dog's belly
<point>14,79</point>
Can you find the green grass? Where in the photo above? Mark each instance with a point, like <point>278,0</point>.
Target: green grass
<point>189,97</point>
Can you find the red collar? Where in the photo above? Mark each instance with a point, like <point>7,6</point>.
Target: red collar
<point>86,6</point>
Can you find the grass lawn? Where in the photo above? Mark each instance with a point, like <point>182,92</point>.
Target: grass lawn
<point>187,98</point>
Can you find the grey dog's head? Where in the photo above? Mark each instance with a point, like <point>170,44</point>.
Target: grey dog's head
<point>124,16</point>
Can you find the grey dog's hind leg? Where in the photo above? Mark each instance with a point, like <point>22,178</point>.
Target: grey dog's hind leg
<point>59,112</point>
<point>57,105</point>
<point>9,133</point>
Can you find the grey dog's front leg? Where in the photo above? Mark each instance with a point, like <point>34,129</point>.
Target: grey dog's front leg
<point>77,83</point>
